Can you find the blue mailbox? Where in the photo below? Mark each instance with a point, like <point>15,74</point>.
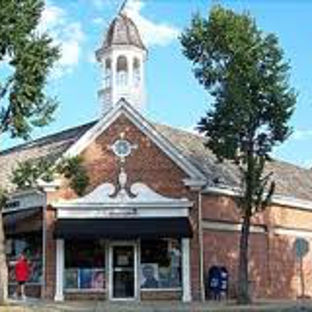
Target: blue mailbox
<point>224,284</point>
<point>217,282</point>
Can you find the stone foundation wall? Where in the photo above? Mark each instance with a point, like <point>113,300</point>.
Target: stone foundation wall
<point>88,295</point>
<point>161,295</point>
<point>31,290</point>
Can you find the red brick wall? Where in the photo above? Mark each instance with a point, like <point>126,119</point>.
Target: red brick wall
<point>288,217</point>
<point>221,208</point>
<point>274,268</point>
<point>272,263</point>
<point>148,164</point>
<point>282,267</point>
<point>50,265</point>
<point>222,248</point>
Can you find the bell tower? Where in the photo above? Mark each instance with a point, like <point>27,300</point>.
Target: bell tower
<point>122,59</point>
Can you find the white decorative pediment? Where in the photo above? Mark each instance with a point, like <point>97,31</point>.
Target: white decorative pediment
<point>140,195</point>
<point>109,201</point>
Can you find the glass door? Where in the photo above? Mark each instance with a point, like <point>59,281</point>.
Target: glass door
<point>123,271</point>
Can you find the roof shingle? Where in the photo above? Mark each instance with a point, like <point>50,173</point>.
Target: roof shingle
<point>291,180</point>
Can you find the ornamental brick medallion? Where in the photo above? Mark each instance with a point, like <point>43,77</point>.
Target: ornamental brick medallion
<point>122,148</point>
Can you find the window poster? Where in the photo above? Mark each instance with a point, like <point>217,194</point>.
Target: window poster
<point>98,279</point>
<point>71,278</point>
<point>164,277</point>
<point>149,275</point>
<point>85,278</point>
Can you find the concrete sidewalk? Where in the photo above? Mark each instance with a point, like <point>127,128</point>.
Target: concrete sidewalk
<point>93,306</point>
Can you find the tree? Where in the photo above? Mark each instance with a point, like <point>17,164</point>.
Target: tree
<point>26,56</point>
<point>28,174</point>
<point>244,72</point>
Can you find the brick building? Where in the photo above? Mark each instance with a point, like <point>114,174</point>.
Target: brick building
<point>159,211</point>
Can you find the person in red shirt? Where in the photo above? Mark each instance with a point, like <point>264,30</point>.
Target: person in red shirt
<point>22,274</point>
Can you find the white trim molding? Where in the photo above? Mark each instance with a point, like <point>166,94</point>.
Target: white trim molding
<point>186,270</point>
<point>256,229</point>
<point>195,185</point>
<point>87,212</point>
<point>32,198</point>
<point>140,201</point>
<point>49,186</point>
<point>306,233</point>
<point>292,202</point>
<point>231,227</point>
<point>221,191</point>
<point>281,200</point>
<point>59,287</point>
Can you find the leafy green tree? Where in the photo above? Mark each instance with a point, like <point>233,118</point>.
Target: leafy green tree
<point>26,56</point>
<point>244,72</point>
<point>28,173</point>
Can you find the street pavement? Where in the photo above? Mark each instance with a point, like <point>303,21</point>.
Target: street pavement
<point>31,305</point>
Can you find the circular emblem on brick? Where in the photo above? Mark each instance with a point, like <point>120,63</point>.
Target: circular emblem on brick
<point>122,148</point>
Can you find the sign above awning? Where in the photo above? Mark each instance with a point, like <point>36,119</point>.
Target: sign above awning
<point>131,228</point>
<point>22,221</point>
<point>12,218</point>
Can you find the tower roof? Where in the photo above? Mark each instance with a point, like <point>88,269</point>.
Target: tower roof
<point>122,31</point>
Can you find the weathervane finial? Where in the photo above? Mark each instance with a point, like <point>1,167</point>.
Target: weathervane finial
<point>123,5</point>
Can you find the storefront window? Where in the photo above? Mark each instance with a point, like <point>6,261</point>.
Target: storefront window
<point>31,246</point>
<point>160,264</point>
<point>84,264</point>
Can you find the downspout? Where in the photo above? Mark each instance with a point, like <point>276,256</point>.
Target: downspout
<point>201,247</point>
<point>44,245</point>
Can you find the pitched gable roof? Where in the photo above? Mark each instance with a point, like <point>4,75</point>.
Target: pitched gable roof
<point>192,147</point>
<point>292,181</point>
<point>51,146</point>
<point>126,109</point>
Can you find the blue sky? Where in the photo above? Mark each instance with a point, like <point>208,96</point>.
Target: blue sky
<point>174,97</point>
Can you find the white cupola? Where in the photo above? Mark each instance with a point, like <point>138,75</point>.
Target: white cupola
<point>122,57</point>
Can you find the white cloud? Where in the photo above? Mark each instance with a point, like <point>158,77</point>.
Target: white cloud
<point>66,33</point>
<point>51,16</point>
<point>152,33</point>
<point>301,135</point>
<point>98,21</point>
<point>107,5</point>
<point>98,4</point>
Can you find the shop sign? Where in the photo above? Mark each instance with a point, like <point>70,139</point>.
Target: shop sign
<point>101,213</point>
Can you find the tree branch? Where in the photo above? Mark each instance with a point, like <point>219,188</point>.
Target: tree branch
<point>6,87</point>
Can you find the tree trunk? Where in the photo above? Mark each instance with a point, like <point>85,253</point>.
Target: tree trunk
<point>3,265</point>
<point>243,276</point>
